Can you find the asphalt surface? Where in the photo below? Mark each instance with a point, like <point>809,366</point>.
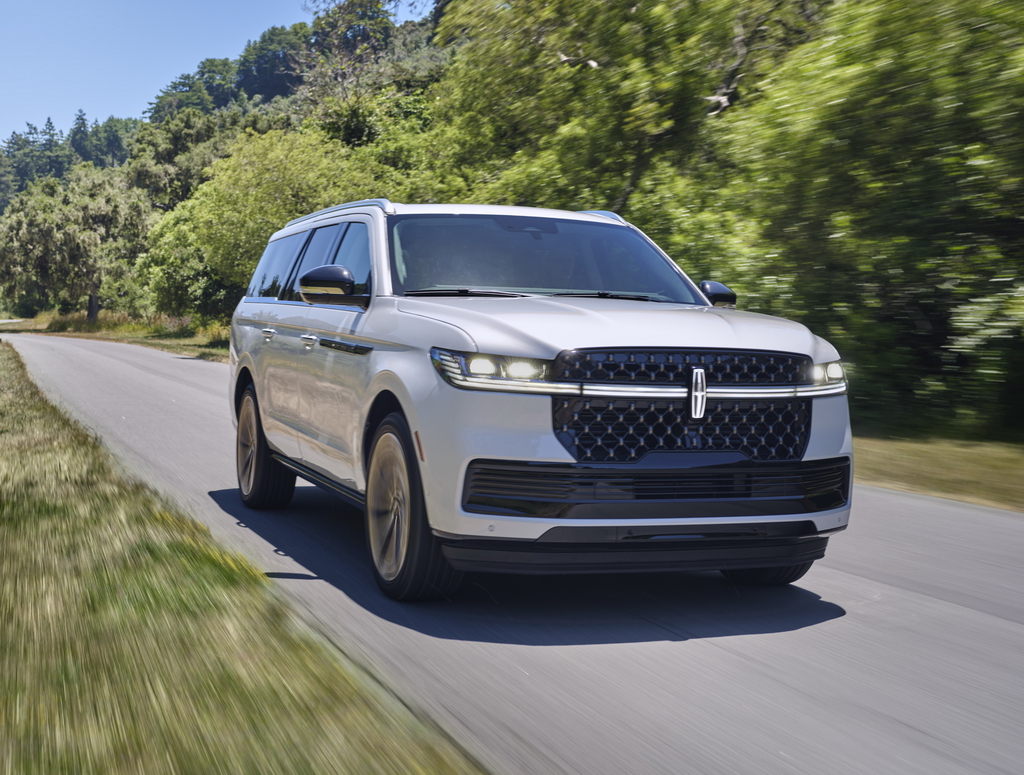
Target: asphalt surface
<point>901,652</point>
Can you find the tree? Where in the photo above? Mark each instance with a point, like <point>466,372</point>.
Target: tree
<point>220,79</point>
<point>176,275</point>
<point>169,160</point>
<point>268,66</point>
<point>884,164</point>
<point>580,97</point>
<point>185,91</point>
<point>267,180</point>
<point>63,238</point>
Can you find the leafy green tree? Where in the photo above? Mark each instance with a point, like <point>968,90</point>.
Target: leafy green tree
<point>176,275</point>
<point>106,144</point>
<point>37,153</point>
<point>185,91</point>
<point>220,79</point>
<point>268,66</point>
<point>267,180</point>
<point>59,239</point>
<point>580,97</point>
<point>169,160</point>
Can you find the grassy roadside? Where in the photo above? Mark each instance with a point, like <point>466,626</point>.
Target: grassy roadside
<point>175,335</point>
<point>985,473</point>
<point>130,642</point>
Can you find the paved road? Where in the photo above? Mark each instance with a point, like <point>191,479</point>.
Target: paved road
<point>901,652</point>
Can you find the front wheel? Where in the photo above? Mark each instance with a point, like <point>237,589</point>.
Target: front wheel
<point>767,577</point>
<point>406,557</point>
<point>263,483</point>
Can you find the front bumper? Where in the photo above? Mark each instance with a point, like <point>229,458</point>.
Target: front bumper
<point>516,430</point>
<point>578,550</point>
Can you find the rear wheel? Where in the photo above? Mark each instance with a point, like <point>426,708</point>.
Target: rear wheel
<point>767,577</point>
<point>406,557</point>
<point>263,483</point>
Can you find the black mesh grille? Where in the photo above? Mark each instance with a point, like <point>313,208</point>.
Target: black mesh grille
<point>602,430</point>
<point>672,367</point>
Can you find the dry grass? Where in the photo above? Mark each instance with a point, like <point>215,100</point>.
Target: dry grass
<point>130,642</point>
<point>979,472</point>
<point>176,335</point>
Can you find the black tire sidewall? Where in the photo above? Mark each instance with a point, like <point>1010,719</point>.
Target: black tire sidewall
<point>422,546</point>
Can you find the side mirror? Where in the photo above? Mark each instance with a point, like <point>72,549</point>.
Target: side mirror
<point>717,293</point>
<point>330,284</point>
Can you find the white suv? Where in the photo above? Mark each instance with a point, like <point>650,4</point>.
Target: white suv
<point>520,390</point>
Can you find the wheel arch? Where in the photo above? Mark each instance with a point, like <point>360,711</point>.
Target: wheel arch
<point>242,381</point>
<point>383,404</point>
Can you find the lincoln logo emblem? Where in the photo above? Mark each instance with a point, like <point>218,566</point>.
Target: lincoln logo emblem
<point>698,394</point>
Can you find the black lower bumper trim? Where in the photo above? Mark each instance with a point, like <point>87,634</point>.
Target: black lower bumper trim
<point>673,553</point>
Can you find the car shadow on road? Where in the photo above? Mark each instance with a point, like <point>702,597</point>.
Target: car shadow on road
<point>326,537</point>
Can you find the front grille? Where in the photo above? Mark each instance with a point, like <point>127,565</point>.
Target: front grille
<point>672,367</point>
<point>551,489</point>
<point>605,430</point>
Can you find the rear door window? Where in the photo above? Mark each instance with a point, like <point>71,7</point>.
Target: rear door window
<point>273,267</point>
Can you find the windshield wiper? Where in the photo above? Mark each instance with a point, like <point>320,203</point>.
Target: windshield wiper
<point>607,295</point>
<point>459,292</point>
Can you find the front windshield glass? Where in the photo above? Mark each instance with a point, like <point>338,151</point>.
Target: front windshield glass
<point>523,254</point>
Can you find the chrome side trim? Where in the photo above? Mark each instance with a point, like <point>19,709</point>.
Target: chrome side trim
<point>346,347</point>
<point>356,499</point>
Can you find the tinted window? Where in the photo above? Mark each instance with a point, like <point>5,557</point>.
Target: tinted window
<point>317,253</point>
<point>274,265</point>
<point>354,253</point>
<point>527,254</point>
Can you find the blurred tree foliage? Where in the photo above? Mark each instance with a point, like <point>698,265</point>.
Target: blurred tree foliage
<point>857,165</point>
<point>884,166</point>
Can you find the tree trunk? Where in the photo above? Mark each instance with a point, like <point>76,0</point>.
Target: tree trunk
<point>640,162</point>
<point>94,308</point>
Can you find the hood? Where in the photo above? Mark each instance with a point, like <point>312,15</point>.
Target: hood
<point>541,327</point>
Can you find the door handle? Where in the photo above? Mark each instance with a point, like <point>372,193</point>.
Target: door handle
<point>269,332</point>
<point>309,340</point>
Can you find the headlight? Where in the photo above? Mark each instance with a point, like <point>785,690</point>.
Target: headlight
<point>478,371</point>
<point>828,373</point>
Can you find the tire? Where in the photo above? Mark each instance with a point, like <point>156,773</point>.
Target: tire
<point>767,577</point>
<point>263,483</point>
<point>404,554</point>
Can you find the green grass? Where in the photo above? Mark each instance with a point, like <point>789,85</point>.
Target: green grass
<point>988,473</point>
<point>130,642</point>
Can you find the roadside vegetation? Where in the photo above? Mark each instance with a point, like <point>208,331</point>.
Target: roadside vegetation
<point>178,335</point>
<point>130,642</point>
<point>988,473</point>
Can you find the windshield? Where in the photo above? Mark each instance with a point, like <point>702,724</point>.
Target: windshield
<point>523,254</point>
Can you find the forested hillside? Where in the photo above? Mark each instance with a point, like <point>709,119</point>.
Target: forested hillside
<point>858,166</point>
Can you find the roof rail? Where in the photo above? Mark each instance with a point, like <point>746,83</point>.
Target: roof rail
<point>606,214</point>
<point>383,204</point>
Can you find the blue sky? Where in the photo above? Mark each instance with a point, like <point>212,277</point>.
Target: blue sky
<point>112,57</point>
